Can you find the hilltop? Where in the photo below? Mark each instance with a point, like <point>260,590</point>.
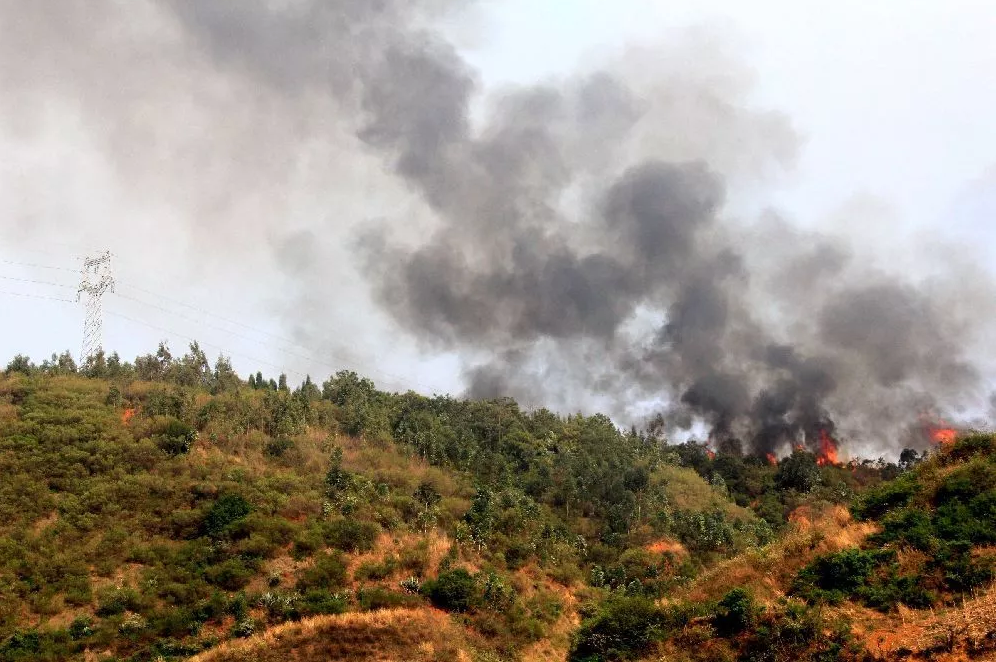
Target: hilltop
<point>165,509</point>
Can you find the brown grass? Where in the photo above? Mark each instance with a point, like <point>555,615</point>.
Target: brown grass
<point>962,632</point>
<point>768,570</point>
<point>423,635</point>
<point>557,640</point>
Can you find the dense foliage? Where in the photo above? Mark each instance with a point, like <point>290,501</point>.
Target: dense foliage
<point>155,508</point>
<point>945,510</point>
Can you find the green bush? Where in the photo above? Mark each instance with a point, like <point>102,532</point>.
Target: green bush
<point>351,535</point>
<point>735,613</point>
<point>317,601</point>
<point>800,634</point>
<point>328,572</point>
<point>970,446</point>
<point>834,577</point>
<point>960,570</point>
<point>880,500</point>
<point>910,527</point>
<point>372,599</point>
<point>227,510</point>
<point>277,447</point>
<point>623,628</point>
<point>798,472</point>
<point>81,628</point>
<point>372,571</point>
<point>967,482</point>
<point>176,437</point>
<point>230,575</point>
<point>453,590</point>
<point>114,601</point>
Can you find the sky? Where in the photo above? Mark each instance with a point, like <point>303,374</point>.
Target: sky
<point>893,101</point>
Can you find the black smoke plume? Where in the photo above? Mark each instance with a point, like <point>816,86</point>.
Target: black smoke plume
<point>578,241</point>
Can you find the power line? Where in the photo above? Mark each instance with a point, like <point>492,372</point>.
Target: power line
<point>343,361</point>
<point>308,357</point>
<point>35,296</point>
<point>199,342</point>
<point>303,357</point>
<point>35,282</point>
<point>207,312</point>
<point>205,324</point>
<point>40,266</point>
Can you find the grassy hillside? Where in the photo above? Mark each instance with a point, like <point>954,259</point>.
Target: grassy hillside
<point>905,574</point>
<point>165,509</point>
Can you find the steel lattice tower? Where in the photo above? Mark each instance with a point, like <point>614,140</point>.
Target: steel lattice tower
<point>97,281</point>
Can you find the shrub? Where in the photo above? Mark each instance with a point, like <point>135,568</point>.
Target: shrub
<point>888,496</point>
<point>961,571</point>
<point>351,535</point>
<point>117,601</point>
<point>967,482</point>
<point>623,628</point>
<point>322,602</point>
<point>227,510</point>
<point>415,559</point>
<point>244,628</point>
<point>736,612</point>
<point>798,633</point>
<point>277,447</point>
<point>375,598</point>
<point>21,644</point>
<point>798,472</point>
<point>453,590</point>
<point>81,628</point>
<point>972,445</point>
<point>373,571</point>
<point>176,437</point>
<point>230,575</point>
<point>328,572</point>
<point>913,528</point>
<point>834,577</point>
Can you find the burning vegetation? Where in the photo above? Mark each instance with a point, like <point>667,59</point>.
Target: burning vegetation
<point>827,454</point>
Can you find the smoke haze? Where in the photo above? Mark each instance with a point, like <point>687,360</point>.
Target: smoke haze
<point>573,243</point>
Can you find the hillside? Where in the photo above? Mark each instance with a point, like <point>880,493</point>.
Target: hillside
<point>905,574</point>
<point>166,509</point>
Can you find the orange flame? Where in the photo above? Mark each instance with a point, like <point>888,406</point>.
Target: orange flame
<point>711,454</point>
<point>772,460</point>
<point>828,450</point>
<point>127,415</point>
<point>941,435</point>
<point>939,431</point>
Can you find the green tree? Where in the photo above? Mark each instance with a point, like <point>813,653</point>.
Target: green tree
<point>224,378</point>
<point>21,364</point>
<point>798,472</point>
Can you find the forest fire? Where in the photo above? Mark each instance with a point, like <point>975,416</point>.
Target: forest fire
<point>827,454</point>
<point>938,431</point>
<point>942,436</point>
<point>772,460</point>
<point>127,415</point>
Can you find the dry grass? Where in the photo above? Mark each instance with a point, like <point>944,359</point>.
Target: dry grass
<point>394,544</point>
<point>557,640</point>
<point>386,464</point>
<point>769,570</point>
<point>963,632</point>
<point>423,635</point>
<point>8,414</point>
<point>686,490</point>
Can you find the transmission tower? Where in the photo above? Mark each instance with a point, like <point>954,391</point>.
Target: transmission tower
<point>97,281</point>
